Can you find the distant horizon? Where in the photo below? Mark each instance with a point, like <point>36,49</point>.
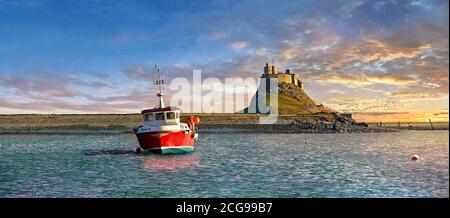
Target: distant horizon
<point>138,113</point>
<point>379,60</point>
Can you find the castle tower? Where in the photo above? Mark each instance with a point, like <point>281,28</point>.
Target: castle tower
<point>268,69</point>
<point>274,69</point>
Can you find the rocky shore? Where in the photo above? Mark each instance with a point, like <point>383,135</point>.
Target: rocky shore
<point>286,128</point>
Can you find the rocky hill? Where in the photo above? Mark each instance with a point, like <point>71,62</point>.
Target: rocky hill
<point>293,100</point>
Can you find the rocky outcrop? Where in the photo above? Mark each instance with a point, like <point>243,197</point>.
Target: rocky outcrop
<point>293,100</point>
<point>298,94</point>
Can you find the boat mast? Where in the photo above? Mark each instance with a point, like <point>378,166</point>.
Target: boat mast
<point>159,82</point>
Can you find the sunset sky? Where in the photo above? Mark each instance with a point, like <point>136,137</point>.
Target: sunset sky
<point>381,60</point>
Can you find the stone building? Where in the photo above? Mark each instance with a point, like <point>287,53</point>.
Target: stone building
<point>271,71</point>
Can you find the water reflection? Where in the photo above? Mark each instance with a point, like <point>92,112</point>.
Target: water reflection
<point>92,152</point>
<point>155,161</point>
<point>172,162</point>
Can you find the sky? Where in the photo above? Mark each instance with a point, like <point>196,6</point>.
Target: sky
<point>380,60</point>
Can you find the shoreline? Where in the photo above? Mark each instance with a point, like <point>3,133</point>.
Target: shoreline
<point>206,129</point>
<point>209,123</point>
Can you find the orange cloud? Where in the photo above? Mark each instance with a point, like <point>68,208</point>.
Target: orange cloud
<point>360,79</point>
<point>399,117</point>
<point>289,53</point>
<point>383,52</point>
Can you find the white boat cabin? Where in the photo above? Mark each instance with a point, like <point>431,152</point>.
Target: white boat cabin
<point>161,116</point>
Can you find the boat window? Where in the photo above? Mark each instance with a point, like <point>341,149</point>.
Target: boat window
<point>177,115</point>
<point>159,116</point>
<point>170,115</point>
<point>148,117</point>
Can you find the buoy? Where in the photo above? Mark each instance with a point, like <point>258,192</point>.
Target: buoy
<point>415,157</point>
<point>196,120</point>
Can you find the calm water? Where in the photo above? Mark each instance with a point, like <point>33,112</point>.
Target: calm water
<point>228,165</point>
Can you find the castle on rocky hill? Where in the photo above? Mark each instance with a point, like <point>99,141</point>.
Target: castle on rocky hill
<point>292,98</point>
<point>271,71</point>
<point>290,88</point>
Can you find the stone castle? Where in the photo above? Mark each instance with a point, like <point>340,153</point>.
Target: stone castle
<point>295,100</point>
<point>271,71</point>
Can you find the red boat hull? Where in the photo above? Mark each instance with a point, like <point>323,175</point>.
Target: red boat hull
<point>167,142</point>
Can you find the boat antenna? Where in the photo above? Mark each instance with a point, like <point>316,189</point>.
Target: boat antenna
<point>159,82</point>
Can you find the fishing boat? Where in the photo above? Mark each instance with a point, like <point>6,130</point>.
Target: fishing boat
<point>162,131</point>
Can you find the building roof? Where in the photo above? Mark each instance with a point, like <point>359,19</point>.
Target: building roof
<point>160,109</point>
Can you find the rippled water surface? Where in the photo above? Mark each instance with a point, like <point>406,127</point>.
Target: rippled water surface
<point>228,165</point>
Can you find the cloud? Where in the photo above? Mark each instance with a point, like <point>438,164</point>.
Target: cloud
<point>394,49</point>
<point>416,63</point>
<point>218,35</point>
<point>96,74</point>
<point>129,102</point>
<point>441,114</point>
<point>261,51</point>
<point>139,73</point>
<point>74,107</point>
<point>432,76</point>
<point>238,45</point>
<point>399,117</point>
<point>243,66</point>
<point>134,96</point>
<point>348,6</point>
<point>42,86</point>
<point>48,92</point>
<point>382,52</point>
<point>335,91</point>
<point>360,79</point>
<point>96,84</point>
<point>289,53</point>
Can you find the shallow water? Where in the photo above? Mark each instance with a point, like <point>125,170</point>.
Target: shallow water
<point>228,165</point>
